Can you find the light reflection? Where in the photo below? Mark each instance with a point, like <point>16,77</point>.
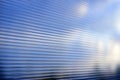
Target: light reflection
<point>47,49</point>
<point>108,49</point>
<point>117,23</point>
<point>82,9</point>
<point>113,56</point>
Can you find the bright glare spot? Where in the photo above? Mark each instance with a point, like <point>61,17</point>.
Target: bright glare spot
<point>82,9</point>
<point>117,20</point>
<point>107,53</point>
<point>117,25</point>
<point>113,56</point>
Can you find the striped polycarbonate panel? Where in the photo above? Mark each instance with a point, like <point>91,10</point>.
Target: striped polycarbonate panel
<point>59,39</point>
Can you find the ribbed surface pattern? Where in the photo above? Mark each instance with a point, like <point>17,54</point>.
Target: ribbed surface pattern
<point>42,39</point>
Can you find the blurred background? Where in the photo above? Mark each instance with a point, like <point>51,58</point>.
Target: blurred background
<point>59,39</point>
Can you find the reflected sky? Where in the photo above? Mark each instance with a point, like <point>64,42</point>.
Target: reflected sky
<point>63,38</point>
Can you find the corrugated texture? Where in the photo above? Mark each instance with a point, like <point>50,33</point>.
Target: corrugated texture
<point>59,39</point>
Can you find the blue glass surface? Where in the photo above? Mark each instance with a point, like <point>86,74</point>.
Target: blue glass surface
<point>59,39</point>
